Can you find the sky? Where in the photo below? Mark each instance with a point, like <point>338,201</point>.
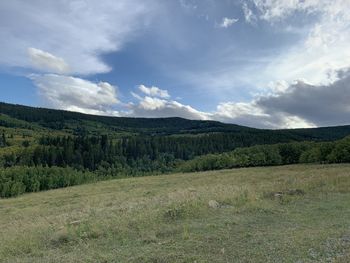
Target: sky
<point>259,63</point>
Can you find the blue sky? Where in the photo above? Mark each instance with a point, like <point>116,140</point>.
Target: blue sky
<point>260,63</point>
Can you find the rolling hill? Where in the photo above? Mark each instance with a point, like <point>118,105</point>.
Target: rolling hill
<point>42,149</point>
<point>25,116</point>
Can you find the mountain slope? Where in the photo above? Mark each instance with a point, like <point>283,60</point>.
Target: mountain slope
<point>78,122</point>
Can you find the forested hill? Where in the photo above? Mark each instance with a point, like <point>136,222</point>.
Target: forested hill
<point>42,149</point>
<point>60,119</point>
<point>19,116</point>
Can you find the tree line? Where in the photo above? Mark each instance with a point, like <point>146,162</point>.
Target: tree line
<point>63,161</point>
<point>92,152</point>
<point>277,154</point>
<point>18,116</point>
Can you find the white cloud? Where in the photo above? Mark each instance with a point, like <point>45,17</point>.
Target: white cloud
<point>46,61</point>
<point>76,94</point>
<point>162,107</point>
<point>188,4</point>
<point>232,110</point>
<point>272,10</point>
<point>323,46</point>
<point>148,103</point>
<point>248,14</point>
<point>154,91</point>
<point>227,22</point>
<point>78,32</point>
<point>254,115</point>
<point>155,108</point>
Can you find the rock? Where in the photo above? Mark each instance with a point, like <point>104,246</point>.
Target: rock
<point>278,194</point>
<point>213,204</point>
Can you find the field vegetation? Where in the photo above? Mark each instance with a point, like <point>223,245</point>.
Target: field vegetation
<point>293,213</point>
<point>298,212</point>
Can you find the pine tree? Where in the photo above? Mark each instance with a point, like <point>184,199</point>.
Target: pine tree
<point>3,142</point>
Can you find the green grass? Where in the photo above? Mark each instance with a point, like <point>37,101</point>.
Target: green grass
<point>262,218</point>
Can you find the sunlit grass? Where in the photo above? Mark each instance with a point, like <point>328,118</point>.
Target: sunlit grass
<point>275,214</point>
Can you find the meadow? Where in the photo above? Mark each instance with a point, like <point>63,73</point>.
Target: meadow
<point>293,213</point>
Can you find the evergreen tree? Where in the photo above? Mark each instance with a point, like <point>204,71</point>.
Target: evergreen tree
<point>3,142</point>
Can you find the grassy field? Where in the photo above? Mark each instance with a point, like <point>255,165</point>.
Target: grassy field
<point>295,213</point>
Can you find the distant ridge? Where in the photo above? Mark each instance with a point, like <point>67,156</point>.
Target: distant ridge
<point>62,119</point>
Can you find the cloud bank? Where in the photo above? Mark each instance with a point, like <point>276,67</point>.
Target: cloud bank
<point>152,106</point>
<point>58,42</point>
<point>46,61</point>
<point>154,91</point>
<point>299,105</point>
<point>76,94</point>
<point>324,48</point>
<point>78,32</point>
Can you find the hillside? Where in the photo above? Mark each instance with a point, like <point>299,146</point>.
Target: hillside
<point>30,117</point>
<point>294,213</point>
<point>43,149</point>
<point>58,119</point>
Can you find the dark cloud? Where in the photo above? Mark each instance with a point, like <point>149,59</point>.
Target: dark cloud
<point>321,105</point>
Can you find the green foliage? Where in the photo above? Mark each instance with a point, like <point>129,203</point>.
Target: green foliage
<point>135,156</point>
<point>25,143</point>
<point>18,180</point>
<point>257,156</point>
<point>341,152</point>
<point>208,162</point>
<point>3,142</point>
<point>268,155</point>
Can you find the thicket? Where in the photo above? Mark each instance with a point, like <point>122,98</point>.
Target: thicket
<point>268,155</point>
<point>18,180</point>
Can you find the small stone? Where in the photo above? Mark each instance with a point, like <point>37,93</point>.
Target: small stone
<point>213,204</point>
<point>278,194</point>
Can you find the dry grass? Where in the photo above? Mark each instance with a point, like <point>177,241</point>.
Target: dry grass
<point>275,214</point>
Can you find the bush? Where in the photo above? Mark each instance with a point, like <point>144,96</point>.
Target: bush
<point>18,180</point>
